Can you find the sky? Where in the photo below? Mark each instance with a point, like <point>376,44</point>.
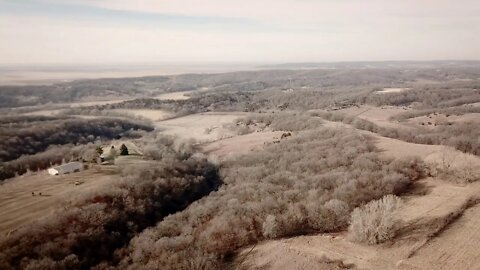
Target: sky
<point>234,31</point>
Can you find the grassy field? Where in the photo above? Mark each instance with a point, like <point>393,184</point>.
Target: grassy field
<point>18,206</point>
<point>202,127</point>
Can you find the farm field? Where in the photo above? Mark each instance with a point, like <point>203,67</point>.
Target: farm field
<point>181,95</point>
<point>152,115</point>
<point>202,127</point>
<point>238,145</point>
<point>378,115</point>
<point>175,95</point>
<point>18,206</point>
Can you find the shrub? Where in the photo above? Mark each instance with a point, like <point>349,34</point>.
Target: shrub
<point>374,222</point>
<point>270,227</point>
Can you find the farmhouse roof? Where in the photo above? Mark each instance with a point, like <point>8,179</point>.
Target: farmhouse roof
<point>68,166</point>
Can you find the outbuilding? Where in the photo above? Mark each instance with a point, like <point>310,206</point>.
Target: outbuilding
<point>66,168</point>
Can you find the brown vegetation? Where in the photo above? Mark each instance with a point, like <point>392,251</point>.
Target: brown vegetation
<point>283,121</point>
<point>309,183</point>
<point>92,230</point>
<point>374,222</point>
<point>430,96</point>
<point>53,155</point>
<point>462,136</point>
<point>23,137</point>
<point>438,225</point>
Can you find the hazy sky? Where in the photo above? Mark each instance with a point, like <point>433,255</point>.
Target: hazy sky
<point>269,31</point>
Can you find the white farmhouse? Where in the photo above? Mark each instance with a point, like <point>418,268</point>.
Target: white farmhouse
<point>66,168</point>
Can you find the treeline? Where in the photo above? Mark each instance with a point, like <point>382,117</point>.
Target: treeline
<point>25,120</point>
<point>309,183</point>
<point>310,98</point>
<point>24,136</point>
<point>281,121</point>
<point>223,101</point>
<point>432,96</point>
<point>318,80</point>
<point>91,231</point>
<point>247,101</point>
<point>43,160</point>
<point>461,135</point>
<point>460,110</point>
<point>17,96</point>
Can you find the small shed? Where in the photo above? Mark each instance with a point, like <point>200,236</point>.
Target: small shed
<point>66,168</point>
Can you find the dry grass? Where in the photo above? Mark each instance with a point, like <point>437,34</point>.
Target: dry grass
<point>175,95</point>
<point>202,127</point>
<point>92,229</point>
<point>231,147</point>
<point>152,115</point>
<point>19,207</point>
<point>438,225</point>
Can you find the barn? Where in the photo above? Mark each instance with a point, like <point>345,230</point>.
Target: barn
<point>66,168</point>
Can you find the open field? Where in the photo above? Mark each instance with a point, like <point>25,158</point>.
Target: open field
<point>453,249</point>
<point>182,95</point>
<point>19,207</point>
<point>153,115</point>
<point>238,145</point>
<point>440,119</point>
<point>175,95</point>
<point>202,127</point>
<point>378,115</point>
